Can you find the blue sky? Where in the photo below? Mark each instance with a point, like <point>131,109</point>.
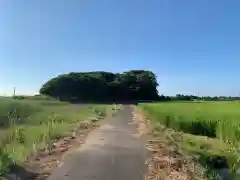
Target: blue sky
<point>192,45</point>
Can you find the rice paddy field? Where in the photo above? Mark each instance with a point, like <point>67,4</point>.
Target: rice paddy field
<point>208,128</point>
<point>28,124</point>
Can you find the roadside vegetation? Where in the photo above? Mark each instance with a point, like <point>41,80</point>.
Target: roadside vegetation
<point>29,124</point>
<point>208,128</point>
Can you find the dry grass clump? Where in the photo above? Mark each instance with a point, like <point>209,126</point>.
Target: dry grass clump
<point>167,160</point>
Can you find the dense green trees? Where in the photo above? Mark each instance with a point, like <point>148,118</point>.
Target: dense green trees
<point>103,86</point>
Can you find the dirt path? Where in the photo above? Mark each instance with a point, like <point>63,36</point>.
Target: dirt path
<point>111,152</point>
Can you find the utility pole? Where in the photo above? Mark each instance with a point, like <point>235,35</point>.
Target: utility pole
<point>14,91</point>
<point>198,96</point>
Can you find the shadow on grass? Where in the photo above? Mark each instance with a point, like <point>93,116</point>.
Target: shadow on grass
<point>212,161</point>
<point>215,165</point>
<point>17,172</point>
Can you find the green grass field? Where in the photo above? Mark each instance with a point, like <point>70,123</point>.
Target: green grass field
<point>27,124</point>
<point>209,128</point>
<point>212,119</point>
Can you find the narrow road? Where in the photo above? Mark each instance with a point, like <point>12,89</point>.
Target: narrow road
<point>110,153</point>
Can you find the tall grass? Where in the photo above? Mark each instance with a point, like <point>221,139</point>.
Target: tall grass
<point>212,119</point>
<point>209,128</point>
<point>27,125</point>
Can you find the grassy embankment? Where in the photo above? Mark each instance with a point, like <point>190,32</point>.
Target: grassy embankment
<point>26,125</point>
<point>209,128</point>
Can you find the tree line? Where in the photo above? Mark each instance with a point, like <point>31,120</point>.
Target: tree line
<point>134,85</point>
<point>100,86</point>
<point>181,97</point>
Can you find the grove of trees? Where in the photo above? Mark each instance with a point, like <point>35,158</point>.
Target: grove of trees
<point>134,85</point>
<point>100,86</point>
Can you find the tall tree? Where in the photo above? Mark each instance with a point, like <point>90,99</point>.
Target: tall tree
<point>103,86</point>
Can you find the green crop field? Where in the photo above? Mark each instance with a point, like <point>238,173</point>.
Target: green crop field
<point>27,124</point>
<point>213,119</point>
<point>208,128</point>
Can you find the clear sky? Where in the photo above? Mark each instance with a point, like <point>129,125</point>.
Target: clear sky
<point>192,45</point>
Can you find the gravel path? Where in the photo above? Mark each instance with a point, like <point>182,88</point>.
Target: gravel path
<point>110,153</point>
